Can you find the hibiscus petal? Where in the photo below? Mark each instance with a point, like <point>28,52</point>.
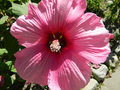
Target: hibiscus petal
<point>69,73</point>
<point>33,64</point>
<point>88,21</point>
<point>60,12</point>
<point>34,13</point>
<point>93,45</point>
<point>77,9</point>
<point>90,38</point>
<point>28,30</point>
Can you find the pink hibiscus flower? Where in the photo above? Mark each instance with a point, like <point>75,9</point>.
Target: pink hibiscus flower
<point>61,40</point>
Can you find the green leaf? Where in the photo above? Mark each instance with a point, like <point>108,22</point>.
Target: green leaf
<point>2,51</point>
<point>19,10</point>
<point>11,66</point>
<point>3,19</point>
<point>9,63</point>
<point>13,69</point>
<point>13,78</point>
<point>11,0</point>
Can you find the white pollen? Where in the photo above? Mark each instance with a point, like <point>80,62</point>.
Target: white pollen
<point>55,46</point>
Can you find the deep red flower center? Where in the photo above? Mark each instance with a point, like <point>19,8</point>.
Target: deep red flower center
<point>56,41</point>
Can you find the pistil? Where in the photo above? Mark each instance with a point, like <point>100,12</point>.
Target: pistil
<point>55,46</point>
